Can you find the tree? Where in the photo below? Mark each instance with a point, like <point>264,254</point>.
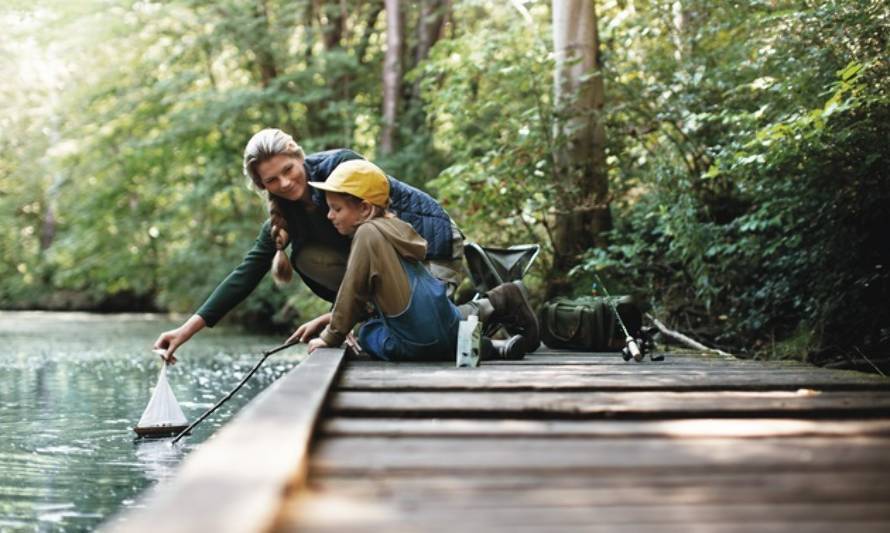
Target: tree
<point>583,214</point>
<point>392,76</point>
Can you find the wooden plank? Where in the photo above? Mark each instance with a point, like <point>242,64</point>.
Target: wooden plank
<point>589,405</point>
<point>672,365</point>
<point>234,482</point>
<point>616,367</point>
<point>404,524</point>
<point>682,428</point>
<point>571,489</point>
<point>582,377</point>
<point>332,512</point>
<point>476,508</point>
<point>589,360</point>
<point>370,455</point>
<point>563,361</point>
<point>485,501</point>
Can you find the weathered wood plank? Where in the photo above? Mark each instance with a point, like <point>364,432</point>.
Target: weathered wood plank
<point>586,442</point>
<point>587,359</point>
<point>683,428</point>
<point>332,512</point>
<point>598,364</point>
<point>477,508</point>
<point>610,360</point>
<point>402,524</point>
<point>570,489</point>
<point>554,405</point>
<point>235,481</point>
<point>370,455</point>
<point>582,377</point>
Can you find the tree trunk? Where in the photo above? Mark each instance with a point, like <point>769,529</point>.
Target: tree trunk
<point>335,28</point>
<point>262,49</point>
<point>582,211</point>
<point>392,76</point>
<point>433,14</point>
<point>680,20</point>
<point>365,41</point>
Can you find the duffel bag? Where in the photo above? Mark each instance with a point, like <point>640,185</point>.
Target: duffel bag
<point>588,323</point>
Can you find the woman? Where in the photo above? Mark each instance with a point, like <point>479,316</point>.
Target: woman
<point>275,163</point>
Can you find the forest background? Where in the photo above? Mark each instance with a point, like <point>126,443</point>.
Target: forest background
<point>726,160</point>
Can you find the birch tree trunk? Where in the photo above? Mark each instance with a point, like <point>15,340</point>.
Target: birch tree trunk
<point>392,76</point>
<point>583,214</point>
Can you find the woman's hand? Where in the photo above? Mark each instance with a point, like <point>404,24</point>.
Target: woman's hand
<point>310,329</point>
<point>317,343</point>
<point>170,340</point>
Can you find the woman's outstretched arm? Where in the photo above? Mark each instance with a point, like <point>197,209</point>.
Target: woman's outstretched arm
<point>170,340</point>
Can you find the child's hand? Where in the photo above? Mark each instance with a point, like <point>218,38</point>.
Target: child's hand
<point>352,343</point>
<point>310,329</point>
<point>317,343</point>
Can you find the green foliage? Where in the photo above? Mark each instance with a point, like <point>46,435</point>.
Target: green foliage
<point>148,193</point>
<point>489,95</point>
<point>756,191</point>
<point>746,146</point>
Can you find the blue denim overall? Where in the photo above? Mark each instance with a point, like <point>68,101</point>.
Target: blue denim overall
<point>425,330</point>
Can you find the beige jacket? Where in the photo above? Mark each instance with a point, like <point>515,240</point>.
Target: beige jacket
<point>374,274</point>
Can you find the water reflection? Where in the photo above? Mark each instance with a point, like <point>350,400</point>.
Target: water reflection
<point>158,458</point>
<point>71,388</point>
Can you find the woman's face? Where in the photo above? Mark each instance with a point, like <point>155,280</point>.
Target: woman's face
<point>345,213</point>
<point>284,176</point>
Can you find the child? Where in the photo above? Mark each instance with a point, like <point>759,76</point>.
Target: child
<point>414,319</point>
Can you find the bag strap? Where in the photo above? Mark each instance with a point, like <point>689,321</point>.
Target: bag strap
<point>600,326</point>
<point>551,322</point>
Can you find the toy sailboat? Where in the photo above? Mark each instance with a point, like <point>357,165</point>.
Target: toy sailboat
<point>162,417</point>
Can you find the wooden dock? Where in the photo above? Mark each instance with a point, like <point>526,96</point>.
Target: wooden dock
<point>556,442</point>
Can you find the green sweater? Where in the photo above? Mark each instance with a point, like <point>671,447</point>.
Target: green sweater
<point>258,261</point>
<point>304,225</point>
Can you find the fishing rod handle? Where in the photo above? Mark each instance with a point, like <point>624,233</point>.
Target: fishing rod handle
<point>634,349</point>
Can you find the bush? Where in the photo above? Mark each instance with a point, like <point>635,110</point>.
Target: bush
<point>760,219</point>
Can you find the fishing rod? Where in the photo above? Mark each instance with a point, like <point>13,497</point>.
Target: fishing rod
<point>633,347</point>
<point>210,411</point>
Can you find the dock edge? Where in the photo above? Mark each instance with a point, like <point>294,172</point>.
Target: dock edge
<point>234,482</point>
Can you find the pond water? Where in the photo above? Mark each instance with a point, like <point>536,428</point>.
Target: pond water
<point>72,386</point>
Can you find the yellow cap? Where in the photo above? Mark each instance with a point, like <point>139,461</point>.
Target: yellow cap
<point>359,178</point>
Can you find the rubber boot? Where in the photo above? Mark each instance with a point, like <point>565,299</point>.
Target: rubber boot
<point>512,310</point>
<point>510,349</point>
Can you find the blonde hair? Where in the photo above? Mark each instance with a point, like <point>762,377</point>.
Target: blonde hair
<point>265,145</point>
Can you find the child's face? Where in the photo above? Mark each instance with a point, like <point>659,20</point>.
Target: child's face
<point>346,213</point>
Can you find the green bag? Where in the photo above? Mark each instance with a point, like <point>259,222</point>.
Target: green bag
<point>588,323</point>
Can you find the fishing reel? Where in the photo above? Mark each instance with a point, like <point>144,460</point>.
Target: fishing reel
<point>634,348</point>
<point>638,348</point>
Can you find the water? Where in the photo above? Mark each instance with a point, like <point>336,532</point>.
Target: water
<point>72,386</point>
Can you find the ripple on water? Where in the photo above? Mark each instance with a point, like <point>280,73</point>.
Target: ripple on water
<point>68,457</point>
<point>65,450</point>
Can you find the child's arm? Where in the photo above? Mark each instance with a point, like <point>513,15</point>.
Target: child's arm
<point>355,289</point>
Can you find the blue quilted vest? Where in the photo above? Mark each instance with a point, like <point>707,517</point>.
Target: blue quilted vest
<point>408,203</point>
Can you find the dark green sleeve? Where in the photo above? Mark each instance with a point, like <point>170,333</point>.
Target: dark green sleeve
<point>241,282</point>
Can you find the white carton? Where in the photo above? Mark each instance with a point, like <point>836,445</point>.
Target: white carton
<point>469,337</point>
